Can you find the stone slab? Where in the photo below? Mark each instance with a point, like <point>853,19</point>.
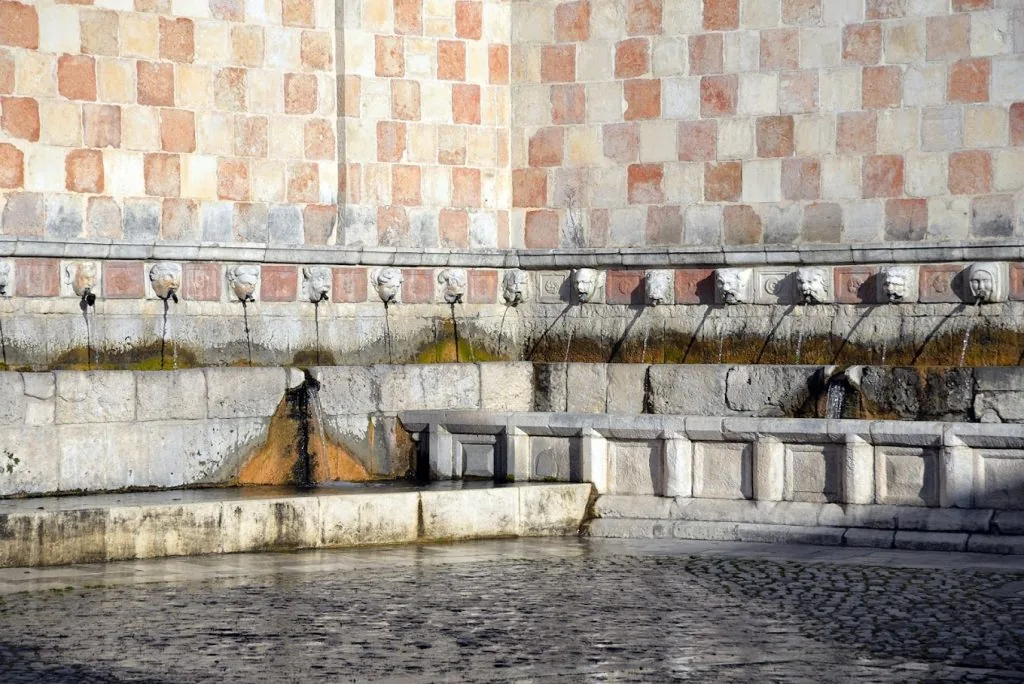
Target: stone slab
<point>506,386</point>
<point>244,392</point>
<point>930,541</point>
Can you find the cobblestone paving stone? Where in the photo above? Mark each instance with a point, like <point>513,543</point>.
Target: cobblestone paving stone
<point>599,612</point>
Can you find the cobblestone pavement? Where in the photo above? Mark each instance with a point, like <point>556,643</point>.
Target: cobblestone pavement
<point>530,611</point>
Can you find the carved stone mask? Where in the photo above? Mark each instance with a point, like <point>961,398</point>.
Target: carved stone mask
<point>659,285</point>
<point>82,276</point>
<point>243,281</point>
<point>587,282</point>
<point>5,278</point>
<point>453,284</point>
<point>166,280</point>
<point>810,283</point>
<point>896,283</point>
<point>316,283</point>
<point>981,280</point>
<point>733,285</point>
<point>388,283</point>
<point>514,287</point>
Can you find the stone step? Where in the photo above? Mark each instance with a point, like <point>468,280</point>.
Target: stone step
<point>85,529</point>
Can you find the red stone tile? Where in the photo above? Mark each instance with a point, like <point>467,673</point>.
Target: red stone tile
<point>695,286</point>
<point>718,95</point>
<point>37,277</point>
<point>632,57</point>
<point>303,182</point>
<point>451,60</point>
<point>177,39</point>
<point>405,185</point>
<point>723,181</point>
<point>801,178</point>
<point>228,10</point>
<point>558,63</point>
<point>454,227</point>
<point>123,280</point>
<point>798,91</point>
<point>801,11</point>
<point>19,25</point>
<point>465,187</point>
<point>970,172</point>
<point>969,80</point>
<point>780,49</point>
<point>318,222</point>
<point>179,219</point>
<point>621,142</point>
<point>529,188</point>
<point>542,229</point>
<point>20,117</point>
<point>886,9</point>
<point>389,52</point>
<point>775,136</point>
<point>856,132</point>
<point>155,83</point>
<point>417,286</point>
<point>12,165</point>
<point>102,125</point>
<point>233,179</point>
<point>882,87</point>
<point>497,64</point>
<point>83,171</point>
<point>349,285</point>
<point>392,226</point>
<point>948,37</point>
<point>742,225</point>
<point>883,176</point>
<point>624,287</point>
<point>6,72</point>
<point>855,284</point>
<point>572,21</point>
<point>939,283</point>
<point>409,17</point>
<point>390,141</point>
<point>969,5</point>
<point>862,43</point>
<point>482,286</point>
<point>466,103</point>
<point>162,174</point>
<point>178,130</point>
<point>644,183</point>
<point>906,219</point>
<point>250,136</point>
<point>568,103</point>
<point>707,53</point>
<point>318,138</point>
<point>1017,282</point>
<point>823,222</point>
<point>697,140</point>
<point>297,13</point>
<point>664,225</point>
<point>76,77</point>
<point>316,50</point>
<point>405,100</point>
<point>300,93</point>
<point>643,98</point>
<point>279,283</point>
<point>469,19</point>
<point>721,15</point>
<point>546,146</point>
<point>643,17</point>
<point>201,282</point>
<point>1017,123</point>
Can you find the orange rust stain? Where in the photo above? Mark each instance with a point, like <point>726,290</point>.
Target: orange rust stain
<point>273,462</point>
<point>338,465</point>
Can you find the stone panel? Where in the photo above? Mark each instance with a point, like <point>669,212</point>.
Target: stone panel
<point>1002,478</point>
<point>244,392</point>
<point>906,476</point>
<point>96,397</point>
<point>722,470</point>
<point>635,467</point>
<point>813,473</point>
<point>551,458</point>
<point>166,396</point>
<point>697,390</point>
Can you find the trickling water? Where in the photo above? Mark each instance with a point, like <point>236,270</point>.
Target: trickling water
<point>501,327</point>
<point>3,344</point>
<point>163,335</point>
<point>472,352</point>
<point>88,337</point>
<point>967,332</point>
<point>835,400</point>
<point>316,325</point>
<point>248,337</point>
<point>313,398</point>
<point>720,327</point>
<point>802,326</point>
<point>885,348</point>
<point>455,327</point>
<point>568,337</point>
<point>647,334</point>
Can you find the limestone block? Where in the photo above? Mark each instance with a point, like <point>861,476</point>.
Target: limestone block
<point>1001,478</point>
<point>244,392</point>
<point>858,477</point>
<point>879,539</point>
<point>551,458</point>
<point>622,506</point>
<point>767,390</point>
<point>628,528</point>
<point>168,396</point>
<point>347,389</point>
<point>552,509</point>
<point>995,543</point>
<point>626,391</point>
<point>586,387</point>
<point>95,397</point>
<point>694,390</point>
<point>635,467</point>
<point>470,513</point>
<point>790,534</point>
<point>265,524</point>
<point>434,386</point>
<point>12,399</point>
<point>678,455</point>
<point>187,529</point>
<point>906,475</point>
<point>73,536</point>
<point>550,386</point>
<point>506,386</point>
<point>813,472</point>
<point>594,461</point>
<point>441,450</point>
<point>709,531</point>
<point>377,519</point>
<point>943,519</point>
<point>722,470</point>
<point>930,541</point>
<point>29,460</point>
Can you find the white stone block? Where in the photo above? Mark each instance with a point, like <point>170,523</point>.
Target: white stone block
<point>926,174</point>
<point>594,461</point>
<point>506,386</point>
<point>1008,170</point>
<point>741,50</point>
<point>680,98</point>
<point>658,141</point>
<point>635,467</point>
<point>762,181</point>
<point>924,85</point>
<point>840,177</point>
<point>469,513</point>
<point>897,130</point>
<point>175,395</point>
<point>735,138</point>
<point>948,218</point>
<point>59,32</point>
<point>858,471</point>
<point>1007,79</point>
<point>683,183</point>
<point>546,510</point>
<point>251,524</point>
<point>243,392</point>
<point>839,90</point>
<point>814,135</point>
<point>863,221</point>
<point>95,397</point>
<point>991,33</point>
<point>378,519</point>
<point>722,470</point>
<point>820,47</point>
<point>758,94</point>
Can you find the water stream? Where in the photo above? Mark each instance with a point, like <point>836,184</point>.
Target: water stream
<point>313,398</point>
<point>85,305</point>
<point>835,400</point>
<point>455,327</point>
<point>248,336</point>
<point>568,337</point>
<point>316,326</point>
<point>801,329</point>
<point>3,344</point>
<point>967,332</point>
<point>387,332</point>
<point>163,334</point>
<point>647,334</point>
<point>501,328</point>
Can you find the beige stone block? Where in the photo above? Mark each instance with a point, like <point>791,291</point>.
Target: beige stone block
<point>758,94</point>
<point>682,17</point>
<point>531,105</point>
<point>595,61</point>
<point>814,134</point>
<point>327,104</point>
<point>140,35</point>
<point>669,57</point>
<point>820,48</point>
<point>36,74</point>
<point>140,128</point>
<point>525,65</point>
<point>377,184</point>
<point>193,86</point>
<point>44,168</point>
<point>604,102</point>
<point>287,137</point>
<point>986,126</point>
<point>477,68</point>
<point>839,90</point>
<point>762,180</point>
<point>991,33</point>
<point>490,188</point>
<point>534,22</point>
<point>503,193</point>
<point>420,58</point>
<point>924,84</point>
<point>497,22</point>
<point>199,176</point>
<point>435,102</point>
<point>683,183</point>
<point>742,51</point>
<point>115,80</point>
<point>481,147</point>
<point>840,178</point>
<point>378,16</point>
<point>359,55</point>
<point>196,9</point>
<point>949,218</point>
<point>117,5</point>
<point>437,189</point>
<point>266,91</point>
<point>440,27</point>
<point>520,152</point>
<point>898,130</point>
<point>584,145</point>
<point>925,174</point>
<point>60,123</point>
<point>421,140</point>
<point>759,14</point>
<point>59,29</point>
<point>735,138</point>
<point>360,141</point>
<point>438,8</point>
<point>494,106</point>
<point>268,180</point>
<point>1008,170</point>
<point>904,41</point>
<point>216,133</point>
<point>123,173</point>
<point>607,188</point>
<point>323,12</point>
<point>328,182</point>
<point>283,48</point>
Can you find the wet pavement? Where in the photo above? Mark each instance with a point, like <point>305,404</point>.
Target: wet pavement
<point>524,611</point>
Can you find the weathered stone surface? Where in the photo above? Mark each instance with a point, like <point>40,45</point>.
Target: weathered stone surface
<point>29,460</point>
<point>144,532</point>
<point>552,509</point>
<point>550,387</point>
<point>167,396</point>
<point>635,467</point>
<point>768,390</point>
<point>433,386</point>
<point>347,389</point>
<point>506,386</point>
<point>377,519</point>
<point>930,541</point>
<point>244,392</point>
<point>688,390</point>
<point>586,387</point>
<point>12,399</point>
<point>470,513</point>
<point>625,506</point>
<point>95,397</point>
<point>626,388</point>
<point>881,539</point>
<point>291,523</point>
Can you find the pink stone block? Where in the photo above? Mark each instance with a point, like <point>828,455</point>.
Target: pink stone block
<point>482,286</point>
<point>36,277</point>
<point>939,283</point>
<point>279,283</point>
<point>349,285</point>
<point>695,286</point>
<point>418,286</point>
<point>624,287</point>
<point>123,280</point>
<point>854,284</point>
<point>201,282</point>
